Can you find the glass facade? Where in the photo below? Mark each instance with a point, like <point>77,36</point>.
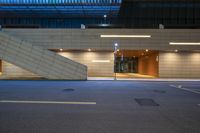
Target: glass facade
<point>53,22</point>
<point>126,65</point>
<point>172,14</point>
<point>73,13</point>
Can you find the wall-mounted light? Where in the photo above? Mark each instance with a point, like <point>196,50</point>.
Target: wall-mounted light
<point>125,36</point>
<point>61,49</point>
<point>89,50</point>
<point>184,43</point>
<point>176,50</point>
<point>105,16</point>
<point>147,50</point>
<point>157,58</point>
<point>101,61</point>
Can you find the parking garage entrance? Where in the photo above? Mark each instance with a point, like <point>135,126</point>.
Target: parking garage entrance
<point>137,63</point>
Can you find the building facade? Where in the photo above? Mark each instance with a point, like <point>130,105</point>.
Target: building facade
<point>77,53</point>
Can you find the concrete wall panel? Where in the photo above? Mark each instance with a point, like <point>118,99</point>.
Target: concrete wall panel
<point>90,38</point>
<point>10,71</point>
<point>90,59</point>
<point>179,65</point>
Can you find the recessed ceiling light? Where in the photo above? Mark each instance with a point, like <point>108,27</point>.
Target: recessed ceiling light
<point>125,36</point>
<point>184,43</point>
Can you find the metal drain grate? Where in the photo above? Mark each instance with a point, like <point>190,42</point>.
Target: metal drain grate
<point>159,91</point>
<point>68,90</point>
<point>146,102</point>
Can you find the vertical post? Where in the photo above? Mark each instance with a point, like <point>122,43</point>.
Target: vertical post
<point>115,52</point>
<point>115,78</point>
<point>105,16</point>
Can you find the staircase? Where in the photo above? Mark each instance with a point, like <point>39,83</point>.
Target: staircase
<point>40,61</point>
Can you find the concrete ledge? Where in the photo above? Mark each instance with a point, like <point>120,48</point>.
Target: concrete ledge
<point>143,79</point>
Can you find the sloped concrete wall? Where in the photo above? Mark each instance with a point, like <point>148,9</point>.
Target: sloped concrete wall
<point>38,60</point>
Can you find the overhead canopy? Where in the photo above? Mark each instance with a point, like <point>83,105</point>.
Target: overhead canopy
<point>63,8</point>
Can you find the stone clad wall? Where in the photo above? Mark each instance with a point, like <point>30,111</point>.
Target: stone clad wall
<point>90,38</point>
<point>179,65</point>
<point>98,63</point>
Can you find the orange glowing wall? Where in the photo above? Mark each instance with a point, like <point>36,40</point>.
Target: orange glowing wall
<point>0,65</point>
<point>148,65</point>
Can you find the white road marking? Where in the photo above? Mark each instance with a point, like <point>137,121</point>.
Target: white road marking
<point>47,102</point>
<point>186,89</point>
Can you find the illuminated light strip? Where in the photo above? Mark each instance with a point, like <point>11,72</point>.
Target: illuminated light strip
<point>125,36</point>
<point>46,102</point>
<point>101,61</point>
<point>184,43</point>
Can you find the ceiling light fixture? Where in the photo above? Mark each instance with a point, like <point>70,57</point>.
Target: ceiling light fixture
<point>125,36</point>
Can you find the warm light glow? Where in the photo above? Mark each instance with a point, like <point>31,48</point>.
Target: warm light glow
<point>61,49</point>
<point>89,49</point>
<point>117,50</point>
<point>184,43</point>
<point>175,50</point>
<point>101,61</point>
<point>125,36</point>
<point>147,50</point>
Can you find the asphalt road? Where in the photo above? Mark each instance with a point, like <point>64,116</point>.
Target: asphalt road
<point>64,107</point>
